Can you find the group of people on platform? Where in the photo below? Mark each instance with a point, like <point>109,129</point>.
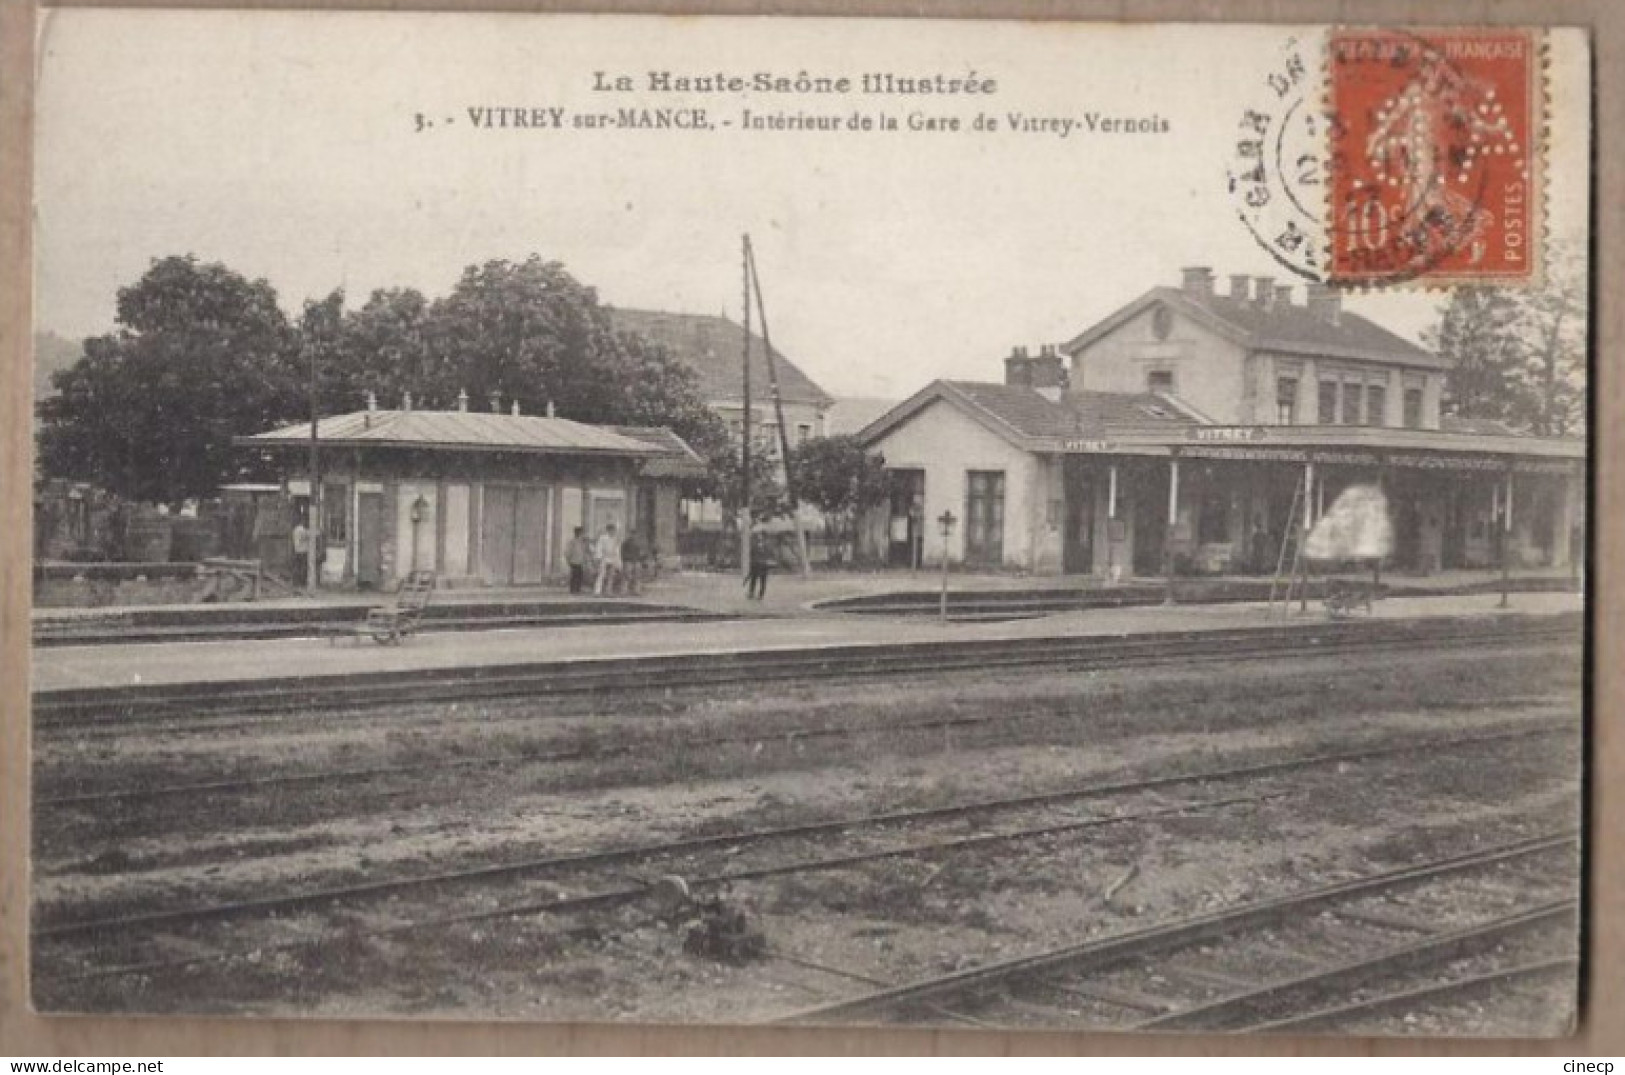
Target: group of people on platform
<point>617,565</point>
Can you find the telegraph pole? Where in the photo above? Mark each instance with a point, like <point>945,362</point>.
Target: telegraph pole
<point>778,411</point>
<point>314,513</point>
<point>744,456</point>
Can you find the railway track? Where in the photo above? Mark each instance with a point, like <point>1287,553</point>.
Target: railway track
<point>595,751</point>
<point>79,941</point>
<point>93,706</point>
<point>1036,987</point>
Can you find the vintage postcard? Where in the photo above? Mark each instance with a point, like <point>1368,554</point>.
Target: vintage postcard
<point>810,521</point>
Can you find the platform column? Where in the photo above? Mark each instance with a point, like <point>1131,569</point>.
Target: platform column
<point>1303,536</point>
<point>1173,518</point>
<point>1382,487</point>
<point>1506,540</point>
<point>1111,517</point>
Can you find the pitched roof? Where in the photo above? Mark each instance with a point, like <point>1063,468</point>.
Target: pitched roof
<point>850,414</point>
<point>710,346</point>
<point>678,461</point>
<point>1028,419</point>
<point>1288,327</point>
<point>458,429</point>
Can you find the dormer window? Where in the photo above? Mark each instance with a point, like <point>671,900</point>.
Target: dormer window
<point>1160,381</point>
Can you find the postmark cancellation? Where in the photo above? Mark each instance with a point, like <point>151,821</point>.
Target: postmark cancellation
<point>1380,158</point>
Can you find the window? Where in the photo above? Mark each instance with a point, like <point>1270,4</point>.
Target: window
<point>1328,403</point>
<point>1160,381</point>
<point>336,513</point>
<point>803,432</point>
<point>1286,401</point>
<point>1351,404</point>
<point>1413,408</point>
<point>1376,403</point>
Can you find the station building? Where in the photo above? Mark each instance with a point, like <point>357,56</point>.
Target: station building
<point>480,498</point>
<point>1189,430</point>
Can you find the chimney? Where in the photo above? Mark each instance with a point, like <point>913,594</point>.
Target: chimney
<point>515,409</point>
<point>1197,282</point>
<point>1326,303</point>
<point>1283,295</point>
<point>462,400</point>
<point>406,400</point>
<point>1045,371</point>
<point>1238,286</point>
<point>1018,368</point>
<point>372,401</point>
<point>551,413</point>
<point>496,401</point>
<point>1263,289</point>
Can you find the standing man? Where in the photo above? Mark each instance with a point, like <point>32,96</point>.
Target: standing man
<point>609,559</point>
<point>301,553</point>
<point>760,555</point>
<point>632,562</point>
<point>578,554</point>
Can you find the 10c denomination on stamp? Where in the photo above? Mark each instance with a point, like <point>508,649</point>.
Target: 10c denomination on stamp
<point>1435,162</point>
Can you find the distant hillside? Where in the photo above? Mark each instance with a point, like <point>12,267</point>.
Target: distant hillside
<point>52,353</point>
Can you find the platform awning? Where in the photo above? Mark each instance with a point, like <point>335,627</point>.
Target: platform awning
<point>1426,449</point>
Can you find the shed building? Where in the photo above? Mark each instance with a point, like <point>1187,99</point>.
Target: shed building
<point>479,498</point>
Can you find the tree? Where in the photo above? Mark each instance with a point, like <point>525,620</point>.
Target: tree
<point>381,348</point>
<point>1554,330</point>
<point>840,479</point>
<point>201,355</point>
<point>1520,356</point>
<point>1480,333</point>
<point>725,466</point>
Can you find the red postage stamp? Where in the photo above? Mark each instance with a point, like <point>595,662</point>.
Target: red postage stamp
<point>1435,156</point>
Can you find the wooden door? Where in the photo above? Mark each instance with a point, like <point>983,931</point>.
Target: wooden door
<point>497,534</point>
<point>369,536</point>
<point>984,517</point>
<point>530,524</point>
<point>1077,533</point>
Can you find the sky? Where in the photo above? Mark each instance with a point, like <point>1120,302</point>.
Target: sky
<point>286,145</point>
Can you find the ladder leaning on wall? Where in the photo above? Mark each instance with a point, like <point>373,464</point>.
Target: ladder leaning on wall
<point>1291,544</point>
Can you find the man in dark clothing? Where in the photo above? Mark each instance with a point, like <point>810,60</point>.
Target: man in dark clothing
<point>632,562</point>
<point>578,555</point>
<point>761,557</point>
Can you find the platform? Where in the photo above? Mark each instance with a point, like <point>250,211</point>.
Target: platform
<point>68,667</point>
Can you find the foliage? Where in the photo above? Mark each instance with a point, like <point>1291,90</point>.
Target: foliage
<point>838,477</point>
<point>1520,356</point>
<point>203,355</point>
<point>1479,333</point>
<point>200,355</point>
<point>767,494</point>
<point>1554,332</point>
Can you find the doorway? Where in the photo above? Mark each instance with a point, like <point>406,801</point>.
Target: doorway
<point>514,530</point>
<point>1077,531</point>
<point>369,537</point>
<point>905,523</point>
<point>984,517</point>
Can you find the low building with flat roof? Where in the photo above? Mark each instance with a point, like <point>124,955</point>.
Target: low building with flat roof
<point>479,498</point>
